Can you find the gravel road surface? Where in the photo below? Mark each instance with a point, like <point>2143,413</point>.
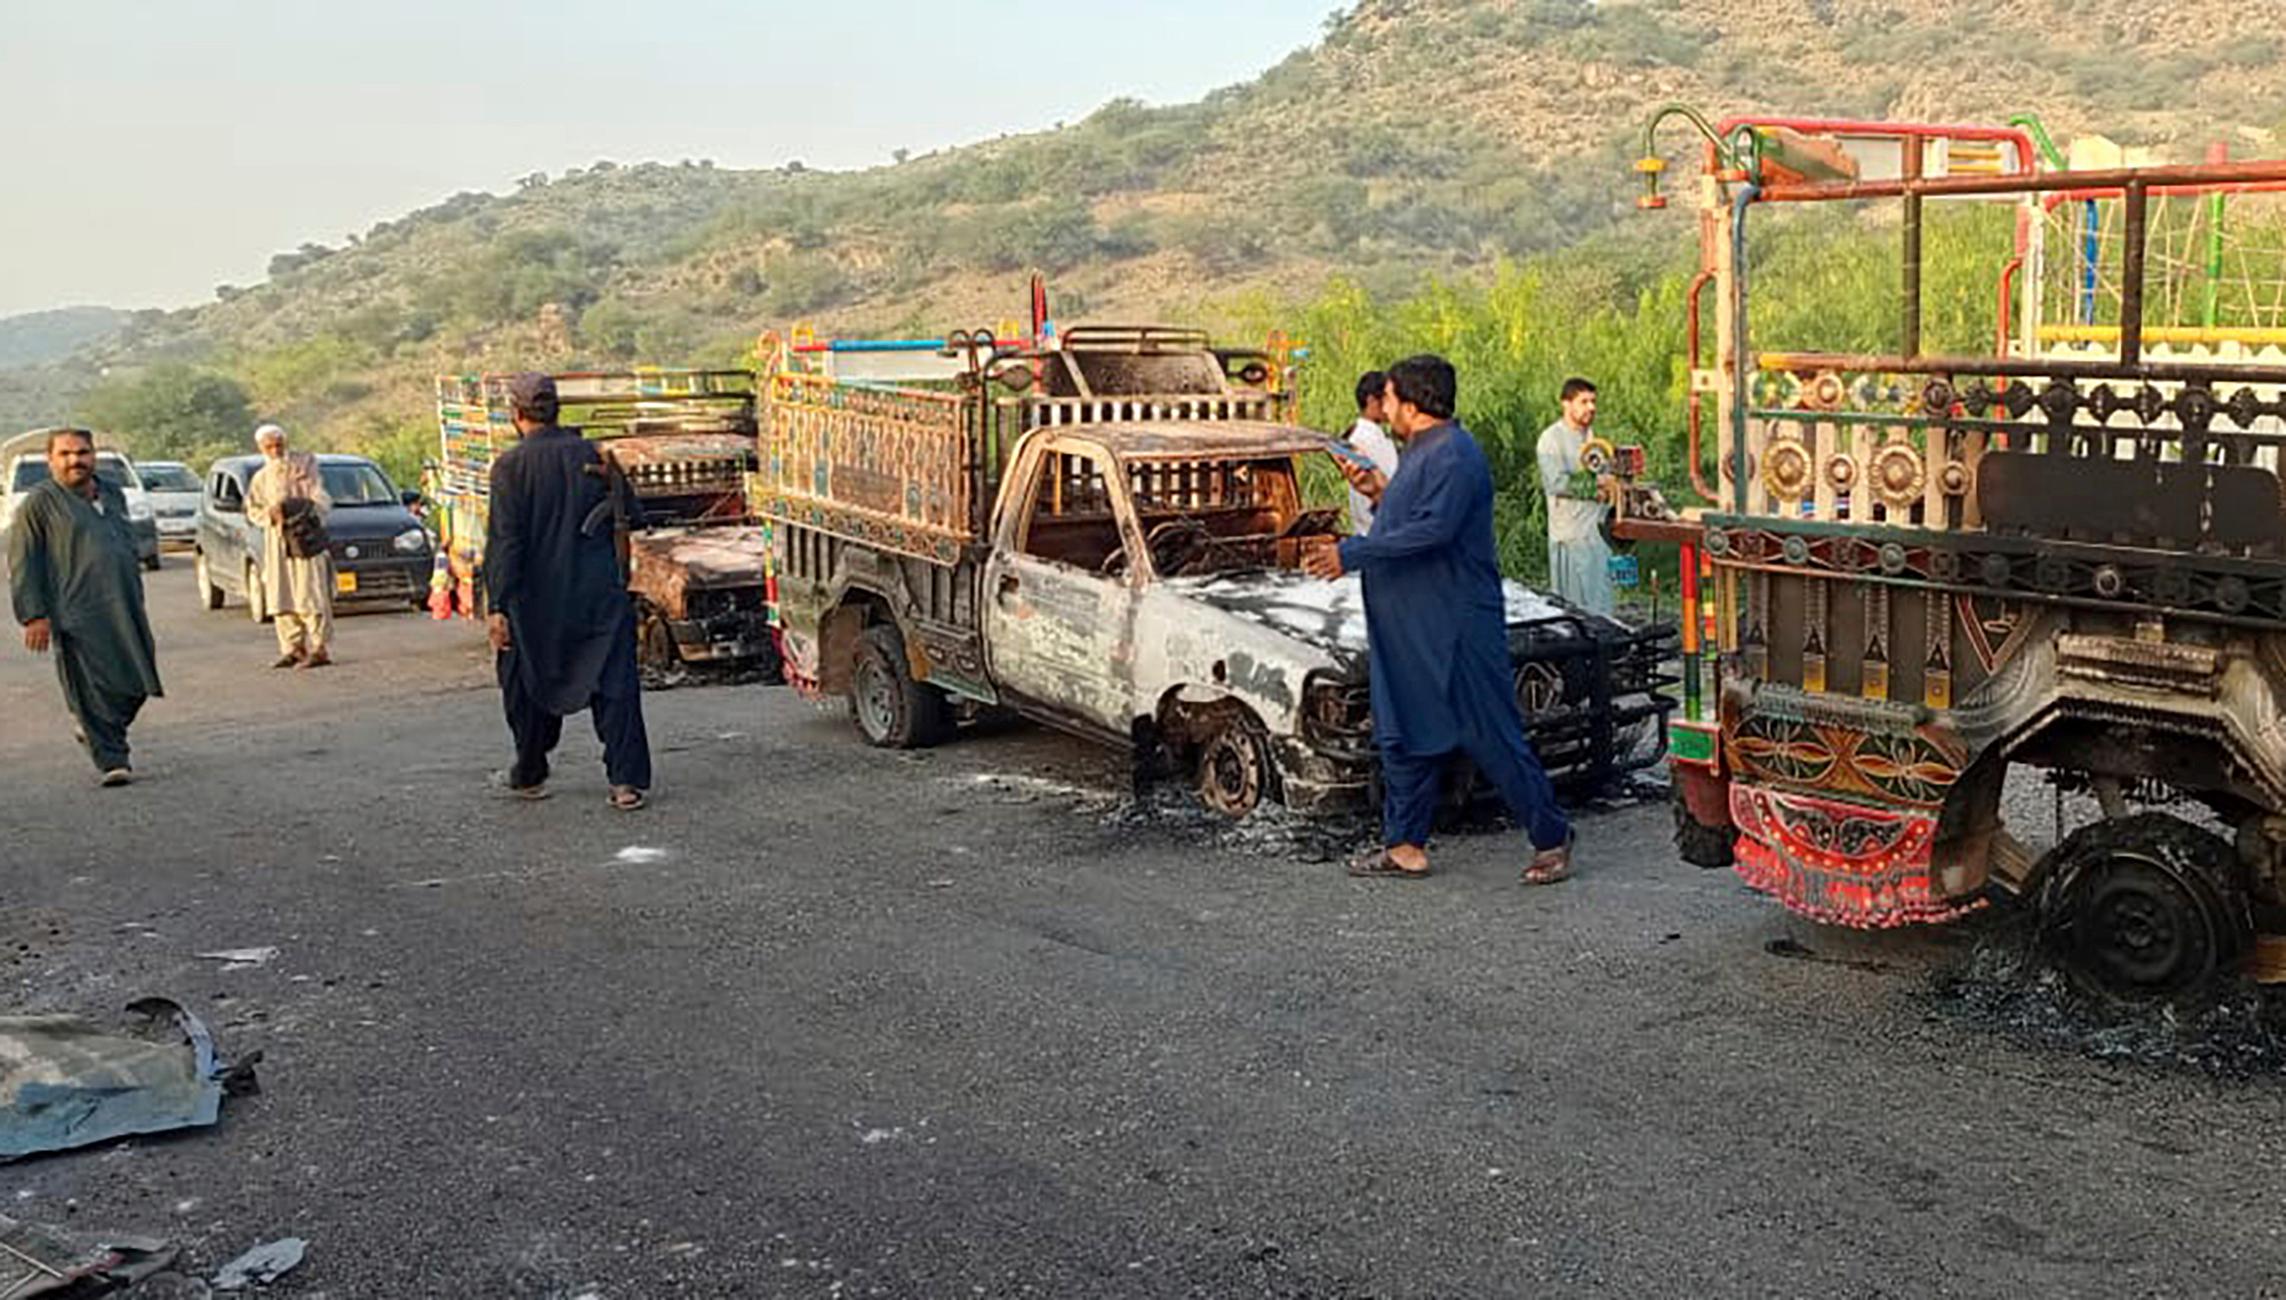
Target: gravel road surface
<point>826,1021</point>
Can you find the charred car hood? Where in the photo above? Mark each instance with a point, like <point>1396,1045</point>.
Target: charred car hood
<point>705,557</point>
<point>1330,616</point>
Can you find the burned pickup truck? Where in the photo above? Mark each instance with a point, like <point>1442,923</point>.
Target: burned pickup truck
<point>685,442</point>
<point>1105,536</point>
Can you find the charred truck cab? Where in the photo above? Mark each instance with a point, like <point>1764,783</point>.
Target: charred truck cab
<point>685,442</point>
<point>1105,535</point>
<point>1916,569</point>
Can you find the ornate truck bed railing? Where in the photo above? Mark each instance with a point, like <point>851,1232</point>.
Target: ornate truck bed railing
<point>896,467</point>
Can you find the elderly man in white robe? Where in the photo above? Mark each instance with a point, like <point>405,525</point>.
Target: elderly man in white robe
<point>296,577</point>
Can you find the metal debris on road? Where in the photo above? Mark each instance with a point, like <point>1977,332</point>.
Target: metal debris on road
<point>65,1083</point>
<point>262,1265</point>
<point>41,1261</point>
<point>240,958</point>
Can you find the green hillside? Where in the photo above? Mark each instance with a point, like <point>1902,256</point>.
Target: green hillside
<point>1413,138</point>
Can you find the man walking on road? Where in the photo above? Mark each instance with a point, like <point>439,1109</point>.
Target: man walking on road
<point>1436,632</point>
<point>288,498</point>
<point>1372,443</point>
<point>78,591</point>
<point>1579,560</point>
<point>561,623</point>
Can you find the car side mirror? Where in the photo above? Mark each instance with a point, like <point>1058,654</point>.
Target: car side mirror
<point>410,496</point>
<point>226,506</point>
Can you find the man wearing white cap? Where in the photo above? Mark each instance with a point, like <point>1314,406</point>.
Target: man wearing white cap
<point>288,499</point>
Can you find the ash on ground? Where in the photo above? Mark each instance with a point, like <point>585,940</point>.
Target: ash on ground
<point>752,672</point>
<point>2005,983</point>
<point>1171,808</point>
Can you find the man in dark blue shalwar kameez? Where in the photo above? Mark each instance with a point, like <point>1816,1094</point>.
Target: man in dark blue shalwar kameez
<point>1436,632</point>
<point>561,623</point>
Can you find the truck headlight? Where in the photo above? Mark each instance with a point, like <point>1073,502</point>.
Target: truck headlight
<point>138,510</point>
<point>412,541</point>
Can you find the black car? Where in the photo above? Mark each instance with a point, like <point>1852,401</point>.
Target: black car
<point>381,553</point>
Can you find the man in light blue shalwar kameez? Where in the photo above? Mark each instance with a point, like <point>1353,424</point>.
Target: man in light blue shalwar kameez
<point>1579,561</point>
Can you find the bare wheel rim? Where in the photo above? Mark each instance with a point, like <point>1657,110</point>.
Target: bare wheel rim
<point>1230,773</point>
<point>875,697</point>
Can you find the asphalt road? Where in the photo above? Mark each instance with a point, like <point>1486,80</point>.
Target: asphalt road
<point>830,1022</point>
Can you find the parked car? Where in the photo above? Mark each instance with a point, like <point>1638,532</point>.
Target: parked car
<point>26,459</point>
<point>381,553</point>
<point>172,488</point>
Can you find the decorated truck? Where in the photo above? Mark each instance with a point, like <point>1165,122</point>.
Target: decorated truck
<point>2060,547</point>
<point>1103,532</point>
<point>685,442</point>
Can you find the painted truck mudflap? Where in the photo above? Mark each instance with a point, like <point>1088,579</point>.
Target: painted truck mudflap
<point>1837,804</point>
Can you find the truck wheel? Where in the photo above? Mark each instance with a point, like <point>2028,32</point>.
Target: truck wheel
<point>1235,771</point>
<point>2144,907</point>
<point>151,562</point>
<point>892,710</point>
<point>257,600</point>
<point>209,595</point>
<point>1696,842</point>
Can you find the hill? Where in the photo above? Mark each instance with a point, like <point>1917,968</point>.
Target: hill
<point>36,338</point>
<point>1414,137</point>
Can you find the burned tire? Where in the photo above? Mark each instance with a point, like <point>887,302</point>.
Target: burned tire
<point>2144,907</point>
<point>891,709</point>
<point>1696,842</point>
<point>1236,773</point>
<point>654,641</point>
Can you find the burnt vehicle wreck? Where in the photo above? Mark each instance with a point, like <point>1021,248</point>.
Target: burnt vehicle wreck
<point>1916,570</point>
<point>1105,536</point>
<point>684,442</point>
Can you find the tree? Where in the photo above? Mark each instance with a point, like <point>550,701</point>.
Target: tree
<point>172,411</point>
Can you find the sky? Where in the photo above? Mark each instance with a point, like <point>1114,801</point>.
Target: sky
<point>155,150</point>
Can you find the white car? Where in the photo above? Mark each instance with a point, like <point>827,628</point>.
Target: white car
<point>173,491</point>
<point>25,459</point>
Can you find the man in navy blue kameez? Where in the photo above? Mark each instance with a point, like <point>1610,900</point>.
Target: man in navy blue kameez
<point>1436,632</point>
<point>562,627</point>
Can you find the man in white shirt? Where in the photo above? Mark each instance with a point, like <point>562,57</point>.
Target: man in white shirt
<point>1372,442</point>
<point>1579,561</point>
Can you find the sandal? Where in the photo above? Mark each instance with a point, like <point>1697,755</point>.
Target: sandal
<point>626,798</point>
<point>1549,866</point>
<point>1379,863</point>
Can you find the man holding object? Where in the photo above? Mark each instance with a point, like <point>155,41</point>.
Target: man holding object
<point>1436,631</point>
<point>561,624</point>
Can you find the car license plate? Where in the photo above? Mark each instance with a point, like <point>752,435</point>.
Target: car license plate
<point>345,582</point>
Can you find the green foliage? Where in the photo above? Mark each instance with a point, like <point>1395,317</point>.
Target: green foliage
<point>325,368</point>
<point>399,447</point>
<point>1612,313</point>
<point>172,411</point>
<point>522,271</point>
<point>800,283</point>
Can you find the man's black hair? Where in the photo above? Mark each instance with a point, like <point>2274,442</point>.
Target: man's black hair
<point>1427,382</point>
<point>58,435</point>
<point>1573,387</point>
<point>1369,386</point>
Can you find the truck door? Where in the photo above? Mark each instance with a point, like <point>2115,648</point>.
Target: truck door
<point>1057,596</point>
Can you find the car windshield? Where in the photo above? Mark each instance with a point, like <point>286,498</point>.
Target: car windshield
<point>357,485</point>
<point>167,478</point>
